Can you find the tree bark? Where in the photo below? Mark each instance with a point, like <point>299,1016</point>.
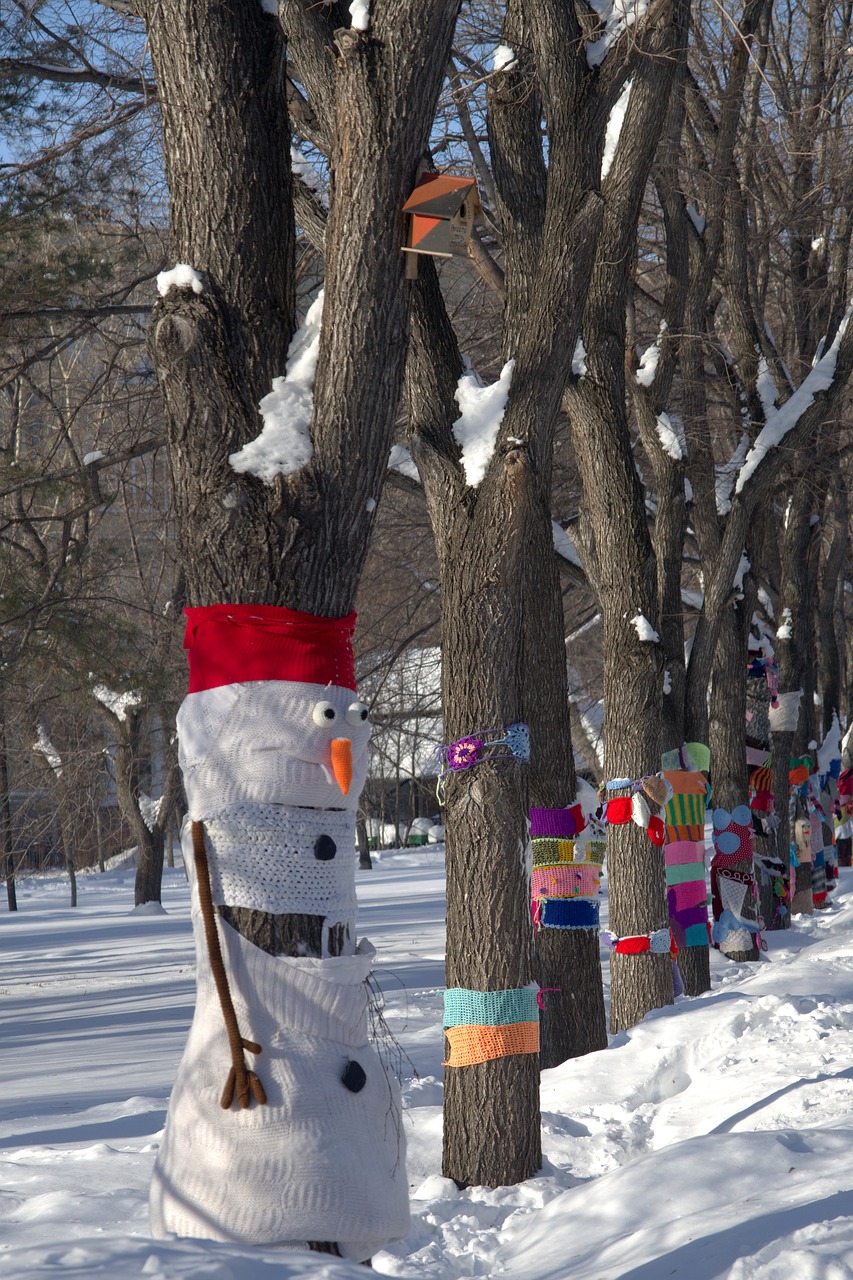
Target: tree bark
<point>300,542</point>
<point>727,737</point>
<point>6,843</point>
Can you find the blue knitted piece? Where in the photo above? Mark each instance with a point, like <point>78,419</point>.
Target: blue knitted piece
<point>518,741</point>
<point>569,913</point>
<point>464,1008</point>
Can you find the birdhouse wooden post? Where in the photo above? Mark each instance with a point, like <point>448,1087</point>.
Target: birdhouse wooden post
<point>442,209</point>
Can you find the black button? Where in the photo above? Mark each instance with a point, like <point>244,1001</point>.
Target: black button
<point>354,1078</point>
<point>325,848</point>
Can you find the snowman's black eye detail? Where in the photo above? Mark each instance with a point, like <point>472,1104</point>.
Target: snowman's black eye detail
<point>357,713</point>
<point>323,713</point>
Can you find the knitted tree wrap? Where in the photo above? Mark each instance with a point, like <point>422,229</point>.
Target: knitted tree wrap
<point>567,880</point>
<point>549,852</point>
<point>559,824</point>
<point>264,857</point>
<point>307,1145</point>
<point>319,1161</point>
<point>686,808</point>
<point>472,1044</point>
<point>489,1008</point>
<point>569,913</point>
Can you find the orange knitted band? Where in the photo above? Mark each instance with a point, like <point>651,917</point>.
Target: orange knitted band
<point>472,1044</point>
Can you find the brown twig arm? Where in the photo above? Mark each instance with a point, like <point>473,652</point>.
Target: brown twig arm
<point>242,1082</point>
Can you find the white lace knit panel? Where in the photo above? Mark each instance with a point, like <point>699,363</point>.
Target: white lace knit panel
<point>259,741</point>
<point>264,856</point>
<point>323,1160</point>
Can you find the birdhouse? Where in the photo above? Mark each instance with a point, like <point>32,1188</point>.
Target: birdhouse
<point>441,209</point>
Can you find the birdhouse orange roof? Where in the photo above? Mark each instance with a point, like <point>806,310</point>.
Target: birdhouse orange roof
<point>439,195</point>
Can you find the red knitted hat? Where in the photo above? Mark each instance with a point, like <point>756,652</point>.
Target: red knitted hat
<point>228,643</point>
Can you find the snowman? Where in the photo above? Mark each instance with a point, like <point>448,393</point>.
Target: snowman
<point>284,1126</point>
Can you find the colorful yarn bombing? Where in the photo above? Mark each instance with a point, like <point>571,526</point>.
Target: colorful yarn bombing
<point>768,668</point>
<point>684,855</point>
<point>819,880</point>
<point>648,795</point>
<point>692,757</point>
<point>480,747</point>
<point>564,890</point>
<point>659,942</point>
<point>591,843</point>
<point>732,844</point>
<point>761,790</point>
<point>483,1025</point>
<point>773,869</point>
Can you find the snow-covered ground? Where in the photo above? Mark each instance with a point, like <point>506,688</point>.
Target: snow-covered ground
<point>715,1140</point>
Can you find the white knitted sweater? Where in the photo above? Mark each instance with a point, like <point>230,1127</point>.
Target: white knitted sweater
<point>319,1162</point>
<point>263,856</point>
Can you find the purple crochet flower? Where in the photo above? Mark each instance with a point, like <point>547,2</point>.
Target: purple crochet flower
<point>464,753</point>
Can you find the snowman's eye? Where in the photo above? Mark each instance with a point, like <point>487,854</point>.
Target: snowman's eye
<point>357,713</point>
<point>323,713</point>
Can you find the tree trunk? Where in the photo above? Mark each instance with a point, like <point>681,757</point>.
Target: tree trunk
<point>567,963</point>
<point>829,650</point>
<point>148,885</point>
<point>491,1130</point>
<point>301,541</point>
<point>99,834</point>
<point>727,739</point>
<point>67,837</point>
<point>6,846</point>
<point>365,863</point>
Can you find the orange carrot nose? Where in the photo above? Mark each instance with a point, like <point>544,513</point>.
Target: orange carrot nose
<point>342,762</point>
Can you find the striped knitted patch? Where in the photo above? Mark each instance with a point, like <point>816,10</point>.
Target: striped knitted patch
<point>689,798</point>
<point>547,853</point>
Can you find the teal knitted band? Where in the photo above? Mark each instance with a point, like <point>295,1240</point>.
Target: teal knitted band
<point>464,1008</point>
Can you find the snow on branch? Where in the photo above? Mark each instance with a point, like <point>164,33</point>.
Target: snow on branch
<point>563,545</point>
<point>149,809</point>
<point>359,12</point>
<point>650,358</point>
<point>644,629</point>
<point>284,445</point>
<point>182,276</point>
<point>117,703</point>
<point>305,170</point>
<point>399,459</point>
<point>671,435</point>
<point>725,476</point>
<point>482,410</point>
<point>503,57</point>
<point>779,422</point>
<point>617,16</point>
<point>44,747</point>
<point>614,128</point>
